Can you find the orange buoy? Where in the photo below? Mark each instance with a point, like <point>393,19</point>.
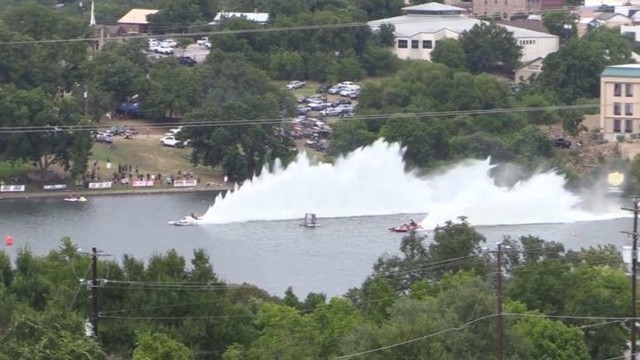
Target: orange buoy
<point>8,240</point>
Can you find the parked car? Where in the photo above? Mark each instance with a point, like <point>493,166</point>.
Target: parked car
<point>207,45</point>
<point>164,49</point>
<point>170,141</point>
<point>187,61</point>
<point>202,41</point>
<point>104,137</point>
<point>296,85</point>
<point>175,131</point>
<point>562,143</point>
<point>169,42</point>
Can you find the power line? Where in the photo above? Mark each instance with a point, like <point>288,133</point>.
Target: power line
<point>273,121</point>
<point>241,31</point>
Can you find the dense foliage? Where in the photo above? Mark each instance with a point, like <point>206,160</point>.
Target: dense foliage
<point>558,305</point>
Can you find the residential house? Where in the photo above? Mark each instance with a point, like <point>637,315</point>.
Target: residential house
<point>505,9</point>
<point>418,31</point>
<point>135,21</point>
<point>260,18</point>
<point>620,101</point>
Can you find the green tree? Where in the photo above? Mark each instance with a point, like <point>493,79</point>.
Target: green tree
<point>380,9</point>
<point>561,23</point>
<point>575,69</point>
<point>617,48</point>
<point>286,65</point>
<point>34,108</point>
<point>552,339</point>
<point>158,346</point>
<point>173,90</point>
<point>450,52</point>
<point>489,46</point>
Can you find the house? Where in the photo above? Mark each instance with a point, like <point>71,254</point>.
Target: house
<point>260,18</point>
<point>619,99</point>
<point>505,9</point>
<point>527,71</point>
<point>135,21</point>
<point>611,20</point>
<point>418,31</point>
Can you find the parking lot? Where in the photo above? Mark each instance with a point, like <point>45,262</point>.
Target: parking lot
<point>194,51</point>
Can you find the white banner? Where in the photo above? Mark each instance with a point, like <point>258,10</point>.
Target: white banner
<point>100,185</point>
<point>143,183</point>
<point>12,188</point>
<point>55,187</point>
<point>184,183</point>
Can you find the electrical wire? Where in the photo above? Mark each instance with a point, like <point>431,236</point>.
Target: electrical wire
<point>274,121</point>
<point>243,31</point>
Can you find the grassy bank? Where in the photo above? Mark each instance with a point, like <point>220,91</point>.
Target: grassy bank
<point>143,152</point>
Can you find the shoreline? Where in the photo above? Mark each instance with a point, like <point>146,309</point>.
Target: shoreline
<point>86,192</point>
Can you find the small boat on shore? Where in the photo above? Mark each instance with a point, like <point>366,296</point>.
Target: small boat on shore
<point>411,226</point>
<point>75,199</point>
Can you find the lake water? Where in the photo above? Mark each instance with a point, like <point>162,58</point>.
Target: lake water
<point>270,254</point>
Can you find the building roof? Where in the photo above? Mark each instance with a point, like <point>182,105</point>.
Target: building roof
<point>624,71</point>
<point>410,25</point>
<point>533,25</point>
<point>137,16</point>
<point>253,16</point>
<point>433,6</point>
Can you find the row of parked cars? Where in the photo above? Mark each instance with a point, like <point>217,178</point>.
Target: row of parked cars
<point>165,46</point>
<point>319,103</point>
<point>106,136</point>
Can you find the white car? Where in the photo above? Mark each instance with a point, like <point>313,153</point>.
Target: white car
<point>175,131</point>
<point>169,42</point>
<point>169,141</point>
<point>164,49</point>
<point>202,41</point>
<point>296,85</point>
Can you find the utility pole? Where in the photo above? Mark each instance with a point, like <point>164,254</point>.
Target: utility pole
<point>86,101</point>
<point>499,318</point>
<point>94,292</point>
<point>634,273</point>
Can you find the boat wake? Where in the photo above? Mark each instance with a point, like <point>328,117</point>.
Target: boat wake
<point>372,181</point>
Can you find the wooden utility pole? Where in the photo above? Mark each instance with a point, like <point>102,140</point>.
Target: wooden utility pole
<point>94,292</point>
<point>499,318</point>
<point>634,271</point>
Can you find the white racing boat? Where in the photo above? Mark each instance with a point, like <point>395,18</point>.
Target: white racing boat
<point>186,221</point>
<point>75,199</point>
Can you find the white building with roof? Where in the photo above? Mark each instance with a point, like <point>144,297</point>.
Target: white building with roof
<point>418,31</point>
<point>260,18</point>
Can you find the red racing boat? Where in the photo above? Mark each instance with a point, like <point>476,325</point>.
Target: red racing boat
<point>406,228</point>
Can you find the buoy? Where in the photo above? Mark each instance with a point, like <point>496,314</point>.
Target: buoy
<point>8,240</point>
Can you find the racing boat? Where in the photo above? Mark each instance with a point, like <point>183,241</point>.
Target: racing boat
<point>186,221</point>
<point>406,228</point>
<point>309,221</point>
<point>75,199</point>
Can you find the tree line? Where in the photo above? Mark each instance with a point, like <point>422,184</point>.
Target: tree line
<point>435,299</point>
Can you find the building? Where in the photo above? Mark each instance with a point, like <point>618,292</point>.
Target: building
<point>505,9</point>
<point>135,21</point>
<point>528,71</point>
<point>418,31</point>
<point>260,18</point>
<point>620,101</point>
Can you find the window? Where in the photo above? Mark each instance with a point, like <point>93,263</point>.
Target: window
<point>628,125</point>
<point>415,44</point>
<point>427,44</point>
<point>616,109</point>
<point>616,126</point>
<point>617,89</point>
<point>628,109</point>
<point>628,90</point>
<point>402,44</point>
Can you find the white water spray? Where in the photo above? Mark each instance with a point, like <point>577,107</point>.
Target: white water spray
<point>372,181</point>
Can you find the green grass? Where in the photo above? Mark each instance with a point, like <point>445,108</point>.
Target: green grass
<point>6,169</point>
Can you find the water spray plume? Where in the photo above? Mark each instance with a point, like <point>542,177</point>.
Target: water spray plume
<point>372,181</point>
